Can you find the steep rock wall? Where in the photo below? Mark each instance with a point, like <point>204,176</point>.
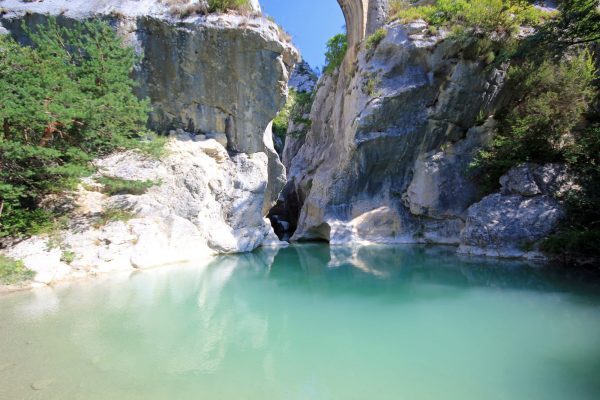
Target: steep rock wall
<point>220,77</point>
<point>392,135</point>
<point>216,74</point>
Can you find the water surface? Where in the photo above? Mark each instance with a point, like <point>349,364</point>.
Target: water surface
<point>309,322</point>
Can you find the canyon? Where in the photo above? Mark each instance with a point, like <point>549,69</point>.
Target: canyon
<point>385,159</point>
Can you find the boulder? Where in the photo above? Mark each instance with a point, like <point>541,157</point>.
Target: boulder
<point>527,210</point>
<point>509,225</point>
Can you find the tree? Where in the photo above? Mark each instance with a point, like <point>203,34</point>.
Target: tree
<point>63,101</point>
<point>336,51</point>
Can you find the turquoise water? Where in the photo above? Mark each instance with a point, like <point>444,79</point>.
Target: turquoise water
<point>309,323</point>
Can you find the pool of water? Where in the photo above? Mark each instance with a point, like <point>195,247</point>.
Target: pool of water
<point>309,322</point>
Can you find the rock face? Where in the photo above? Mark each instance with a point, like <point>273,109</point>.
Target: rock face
<point>204,202</point>
<point>510,223</point>
<point>215,75</point>
<point>393,134</point>
<point>303,78</point>
<point>222,78</point>
<point>388,154</point>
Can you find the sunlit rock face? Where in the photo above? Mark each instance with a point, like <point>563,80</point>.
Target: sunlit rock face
<point>387,157</point>
<point>363,17</point>
<point>215,74</point>
<point>205,201</point>
<point>527,209</point>
<point>207,76</point>
<point>393,133</point>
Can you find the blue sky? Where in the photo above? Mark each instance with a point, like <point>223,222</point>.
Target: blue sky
<point>310,22</point>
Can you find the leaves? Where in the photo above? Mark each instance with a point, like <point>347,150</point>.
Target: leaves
<point>64,100</point>
<point>336,51</point>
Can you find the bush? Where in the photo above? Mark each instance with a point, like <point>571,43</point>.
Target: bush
<point>225,5</point>
<point>578,23</point>
<point>336,51</point>
<point>548,102</point>
<point>297,106</point>
<point>376,38</point>
<point>282,120</point>
<point>13,272</point>
<point>63,101</point>
<point>68,257</point>
<point>114,186</point>
<point>488,15</point>
<point>111,215</point>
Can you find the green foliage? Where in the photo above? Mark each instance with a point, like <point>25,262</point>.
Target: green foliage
<point>13,272</point>
<point>282,120</point>
<point>113,214</point>
<point>503,16</point>
<point>225,5</point>
<point>297,106</point>
<point>68,257</point>
<point>336,51</point>
<point>376,38</point>
<point>63,101</point>
<point>549,100</point>
<point>577,23</point>
<point>551,118</point>
<point>580,233</point>
<point>114,186</point>
<point>570,243</point>
<point>370,84</point>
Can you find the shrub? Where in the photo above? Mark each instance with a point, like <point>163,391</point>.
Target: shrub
<point>68,256</point>
<point>376,38</point>
<point>186,8</point>
<point>63,101</point>
<point>577,23</point>
<point>336,51</point>
<point>282,120</point>
<point>548,102</point>
<point>114,186</point>
<point>13,272</point>
<point>503,16</point>
<point>111,215</point>
<point>225,5</point>
<point>297,106</point>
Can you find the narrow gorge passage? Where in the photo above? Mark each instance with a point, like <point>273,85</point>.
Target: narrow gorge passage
<point>362,18</point>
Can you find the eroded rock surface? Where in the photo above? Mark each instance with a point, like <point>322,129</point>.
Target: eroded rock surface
<point>204,202</point>
<point>215,82</point>
<point>217,75</point>
<point>527,209</point>
<point>395,131</point>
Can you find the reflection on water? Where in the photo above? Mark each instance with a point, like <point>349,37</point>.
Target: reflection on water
<point>309,322</point>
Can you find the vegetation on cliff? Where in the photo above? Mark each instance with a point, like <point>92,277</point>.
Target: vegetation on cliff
<point>296,108</point>
<point>13,272</point>
<point>64,100</point>
<point>335,53</point>
<point>552,110</point>
<point>186,8</point>
<point>553,116</point>
<point>501,16</point>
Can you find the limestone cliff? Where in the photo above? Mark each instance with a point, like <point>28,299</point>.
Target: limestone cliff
<point>393,132</point>
<point>215,82</point>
